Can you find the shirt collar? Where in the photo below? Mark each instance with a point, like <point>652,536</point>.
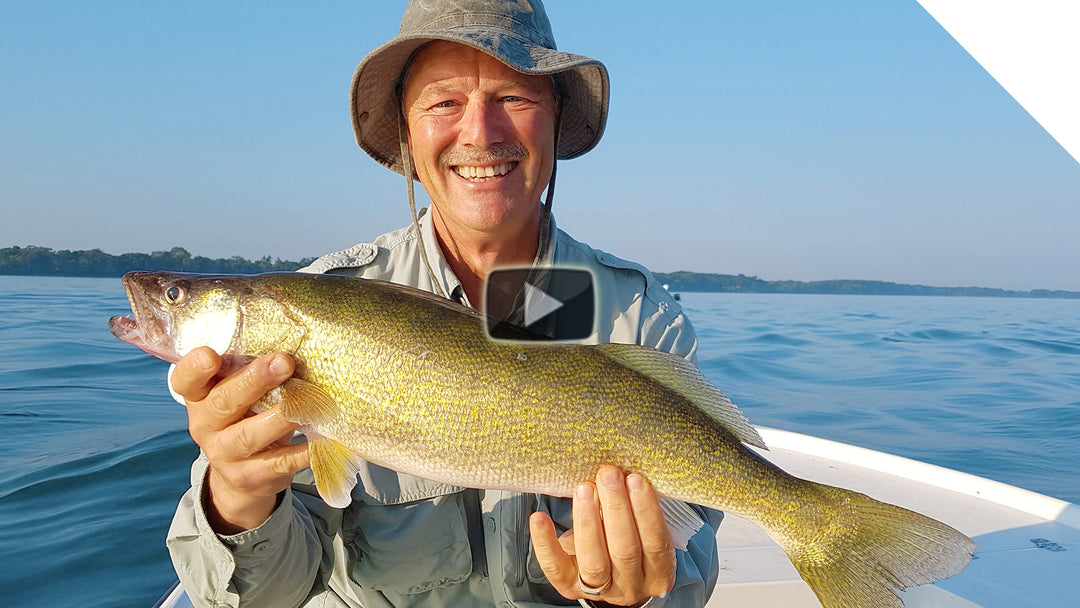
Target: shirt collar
<point>449,282</point>
<point>445,275</point>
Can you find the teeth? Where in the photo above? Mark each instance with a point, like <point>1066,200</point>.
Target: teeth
<point>481,173</point>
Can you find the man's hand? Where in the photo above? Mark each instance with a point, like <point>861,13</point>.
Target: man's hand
<point>251,460</point>
<point>620,543</point>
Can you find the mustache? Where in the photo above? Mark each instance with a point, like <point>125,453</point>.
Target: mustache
<point>494,153</point>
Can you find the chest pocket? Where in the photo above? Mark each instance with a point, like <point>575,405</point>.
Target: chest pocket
<point>409,536</point>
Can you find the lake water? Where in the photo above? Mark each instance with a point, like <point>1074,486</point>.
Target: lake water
<point>97,453</point>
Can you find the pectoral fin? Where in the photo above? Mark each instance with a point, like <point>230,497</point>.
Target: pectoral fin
<point>301,402</point>
<point>335,468</point>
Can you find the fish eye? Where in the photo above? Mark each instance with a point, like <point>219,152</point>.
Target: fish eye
<point>175,294</point>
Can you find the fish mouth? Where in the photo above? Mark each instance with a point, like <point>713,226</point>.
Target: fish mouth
<point>127,329</point>
<point>147,327</point>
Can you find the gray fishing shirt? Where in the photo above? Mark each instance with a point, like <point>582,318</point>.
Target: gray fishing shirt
<point>406,541</point>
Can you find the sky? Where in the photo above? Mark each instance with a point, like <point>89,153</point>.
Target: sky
<point>786,139</point>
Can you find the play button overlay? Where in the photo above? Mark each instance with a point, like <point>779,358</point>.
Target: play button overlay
<point>540,304</point>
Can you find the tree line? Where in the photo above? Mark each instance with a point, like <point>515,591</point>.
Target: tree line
<point>708,282</point>
<point>43,261</point>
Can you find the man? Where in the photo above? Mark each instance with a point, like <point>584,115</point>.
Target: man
<point>473,100</point>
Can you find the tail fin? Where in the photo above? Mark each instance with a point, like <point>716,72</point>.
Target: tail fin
<point>875,548</point>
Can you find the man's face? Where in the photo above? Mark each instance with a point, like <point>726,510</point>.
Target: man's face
<point>481,136</point>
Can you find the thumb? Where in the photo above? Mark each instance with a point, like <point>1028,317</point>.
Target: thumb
<point>172,391</point>
<point>557,565</point>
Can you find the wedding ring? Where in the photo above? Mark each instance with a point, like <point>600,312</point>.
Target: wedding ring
<point>592,590</point>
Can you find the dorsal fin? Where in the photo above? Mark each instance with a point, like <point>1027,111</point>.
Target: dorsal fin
<point>495,328</point>
<point>420,294</point>
<point>683,377</point>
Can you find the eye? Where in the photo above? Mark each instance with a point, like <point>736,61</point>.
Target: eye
<point>176,294</point>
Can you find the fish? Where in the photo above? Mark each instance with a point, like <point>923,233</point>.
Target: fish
<point>410,381</point>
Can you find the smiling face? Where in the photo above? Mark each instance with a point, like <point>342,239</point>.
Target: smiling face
<point>482,137</point>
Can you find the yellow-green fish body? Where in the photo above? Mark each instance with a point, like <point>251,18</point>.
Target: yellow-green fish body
<point>410,381</point>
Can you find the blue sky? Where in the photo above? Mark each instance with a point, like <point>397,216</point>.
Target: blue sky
<point>787,140</point>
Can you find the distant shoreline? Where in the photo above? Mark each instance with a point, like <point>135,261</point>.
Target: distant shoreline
<point>725,283</point>
<point>43,261</point>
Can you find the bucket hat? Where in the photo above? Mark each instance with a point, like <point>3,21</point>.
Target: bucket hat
<point>516,32</point>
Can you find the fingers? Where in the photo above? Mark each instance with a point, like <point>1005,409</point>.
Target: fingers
<point>193,374</point>
<point>620,544</point>
<point>251,459</point>
<point>609,551</point>
<point>242,495</point>
<point>228,400</point>
<point>265,473</point>
<point>250,436</point>
<point>557,564</point>
<point>229,437</point>
<point>621,533</point>
<point>590,540</point>
<point>657,548</point>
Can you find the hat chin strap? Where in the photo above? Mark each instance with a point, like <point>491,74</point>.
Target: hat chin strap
<point>545,213</point>
<point>407,166</point>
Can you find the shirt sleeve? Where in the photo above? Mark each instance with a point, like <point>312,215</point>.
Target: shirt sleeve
<point>697,568</point>
<point>670,330</point>
<point>274,565</point>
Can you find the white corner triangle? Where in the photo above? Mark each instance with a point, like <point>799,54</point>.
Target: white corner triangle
<point>1031,48</point>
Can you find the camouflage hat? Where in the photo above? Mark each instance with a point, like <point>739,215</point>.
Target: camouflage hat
<point>516,32</point>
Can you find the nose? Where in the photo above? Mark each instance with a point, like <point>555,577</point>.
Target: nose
<point>482,123</point>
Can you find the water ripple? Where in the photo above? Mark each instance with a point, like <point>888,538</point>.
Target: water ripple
<point>99,453</point>
<point>986,386</point>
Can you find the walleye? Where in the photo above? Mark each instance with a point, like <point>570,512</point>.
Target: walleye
<point>410,381</point>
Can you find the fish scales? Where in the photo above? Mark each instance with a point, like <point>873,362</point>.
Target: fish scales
<point>535,408</point>
<point>536,404</point>
<point>410,381</point>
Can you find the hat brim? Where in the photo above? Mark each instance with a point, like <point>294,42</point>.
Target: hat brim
<point>583,88</point>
